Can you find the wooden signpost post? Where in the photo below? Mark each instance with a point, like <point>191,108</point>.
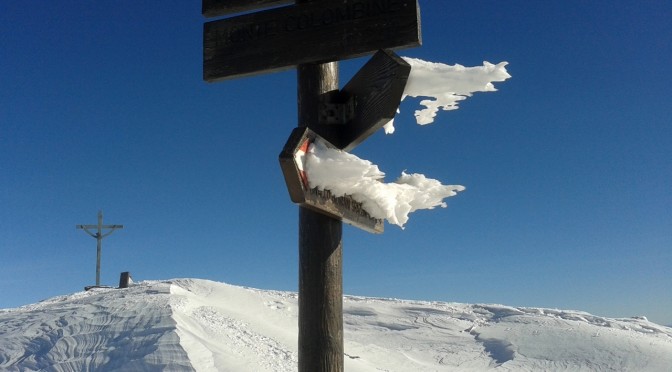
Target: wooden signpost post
<point>312,35</point>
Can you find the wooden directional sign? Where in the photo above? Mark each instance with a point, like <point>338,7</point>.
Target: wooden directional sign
<point>214,8</point>
<point>374,94</point>
<point>292,161</point>
<point>315,32</point>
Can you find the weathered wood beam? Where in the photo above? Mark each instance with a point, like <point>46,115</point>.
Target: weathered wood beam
<point>315,32</point>
<point>216,8</point>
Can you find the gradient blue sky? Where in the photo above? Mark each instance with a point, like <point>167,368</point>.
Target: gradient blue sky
<point>567,167</point>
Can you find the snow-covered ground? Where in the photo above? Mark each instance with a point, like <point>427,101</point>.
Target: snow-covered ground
<point>191,324</point>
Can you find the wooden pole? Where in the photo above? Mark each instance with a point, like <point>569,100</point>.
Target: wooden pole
<point>99,238</point>
<point>320,249</point>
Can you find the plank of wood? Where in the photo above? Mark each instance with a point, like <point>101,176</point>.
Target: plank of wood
<point>216,8</point>
<point>316,32</point>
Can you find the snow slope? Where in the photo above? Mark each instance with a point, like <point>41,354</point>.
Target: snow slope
<point>190,324</point>
<point>103,329</point>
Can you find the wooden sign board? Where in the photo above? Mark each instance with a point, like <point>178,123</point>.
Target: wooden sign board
<point>377,89</point>
<point>375,94</point>
<point>343,207</point>
<point>216,8</point>
<point>315,32</point>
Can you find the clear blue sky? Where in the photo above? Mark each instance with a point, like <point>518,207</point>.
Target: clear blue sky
<point>567,167</point>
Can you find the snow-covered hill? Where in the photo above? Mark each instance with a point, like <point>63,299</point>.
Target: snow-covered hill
<point>190,324</point>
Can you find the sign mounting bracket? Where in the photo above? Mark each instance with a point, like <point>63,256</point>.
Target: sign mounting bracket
<point>338,110</point>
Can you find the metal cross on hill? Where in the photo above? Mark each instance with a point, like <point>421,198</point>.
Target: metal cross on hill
<point>99,237</point>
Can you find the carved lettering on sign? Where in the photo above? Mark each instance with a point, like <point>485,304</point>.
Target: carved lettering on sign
<point>321,31</point>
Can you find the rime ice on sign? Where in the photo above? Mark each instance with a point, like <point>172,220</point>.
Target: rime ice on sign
<point>292,162</point>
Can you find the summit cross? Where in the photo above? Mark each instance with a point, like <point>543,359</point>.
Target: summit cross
<point>99,235</point>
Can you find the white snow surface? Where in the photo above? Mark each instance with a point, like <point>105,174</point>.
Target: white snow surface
<point>343,173</point>
<point>200,325</point>
<point>445,85</point>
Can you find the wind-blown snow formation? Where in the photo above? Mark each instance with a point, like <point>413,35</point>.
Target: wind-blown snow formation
<point>446,85</point>
<point>343,173</point>
<point>199,325</point>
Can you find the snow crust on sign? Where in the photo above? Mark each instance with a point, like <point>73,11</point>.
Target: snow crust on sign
<point>200,325</point>
<point>445,85</point>
<point>343,173</point>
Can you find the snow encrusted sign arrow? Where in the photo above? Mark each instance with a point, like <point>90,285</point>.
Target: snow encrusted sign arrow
<point>293,162</point>
<point>371,97</point>
<point>320,175</point>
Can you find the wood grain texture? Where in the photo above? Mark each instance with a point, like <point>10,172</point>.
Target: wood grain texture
<point>216,8</point>
<point>320,292</point>
<point>320,250</point>
<point>375,92</point>
<point>377,88</point>
<point>315,32</point>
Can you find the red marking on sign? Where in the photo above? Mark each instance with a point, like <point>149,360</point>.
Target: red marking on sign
<point>303,150</point>
<point>292,162</point>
